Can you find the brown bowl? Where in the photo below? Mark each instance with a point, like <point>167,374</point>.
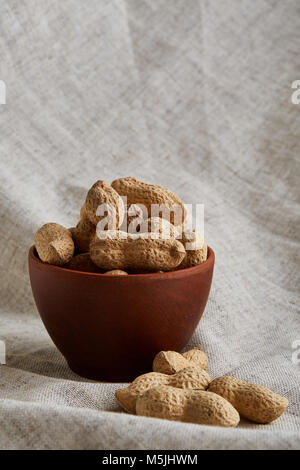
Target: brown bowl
<point>111,327</point>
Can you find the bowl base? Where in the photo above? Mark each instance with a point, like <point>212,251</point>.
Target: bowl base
<point>105,376</point>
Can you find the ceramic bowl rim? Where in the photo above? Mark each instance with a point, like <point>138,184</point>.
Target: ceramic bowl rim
<point>168,274</point>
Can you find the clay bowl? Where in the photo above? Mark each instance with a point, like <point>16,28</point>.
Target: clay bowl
<point>110,327</point>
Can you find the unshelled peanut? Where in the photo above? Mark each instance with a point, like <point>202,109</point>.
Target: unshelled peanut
<point>138,192</point>
<point>254,402</point>
<point>188,378</point>
<point>82,235</point>
<point>82,262</point>
<point>135,252</point>
<point>102,193</point>
<point>117,272</point>
<point>54,244</point>
<point>170,362</point>
<point>160,228</point>
<point>196,249</point>
<point>190,406</point>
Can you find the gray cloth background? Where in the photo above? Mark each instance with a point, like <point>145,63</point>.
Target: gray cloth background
<point>194,95</point>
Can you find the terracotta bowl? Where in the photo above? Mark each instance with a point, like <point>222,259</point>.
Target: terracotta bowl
<point>110,327</point>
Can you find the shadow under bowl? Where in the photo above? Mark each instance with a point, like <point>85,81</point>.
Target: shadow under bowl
<point>109,328</point>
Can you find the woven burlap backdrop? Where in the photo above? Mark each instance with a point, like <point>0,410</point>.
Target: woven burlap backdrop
<point>194,95</point>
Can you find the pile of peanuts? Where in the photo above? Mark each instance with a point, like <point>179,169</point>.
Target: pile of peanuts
<point>124,238</point>
<point>180,389</point>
